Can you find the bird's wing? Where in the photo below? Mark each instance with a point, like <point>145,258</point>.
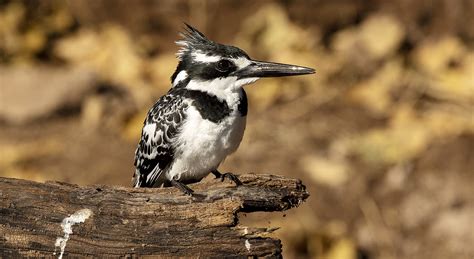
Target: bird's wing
<point>155,151</point>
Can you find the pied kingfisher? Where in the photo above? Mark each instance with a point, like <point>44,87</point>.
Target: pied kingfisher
<point>201,120</point>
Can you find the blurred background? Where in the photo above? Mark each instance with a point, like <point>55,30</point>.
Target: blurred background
<point>382,135</point>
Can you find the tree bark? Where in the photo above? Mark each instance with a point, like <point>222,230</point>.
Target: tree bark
<point>38,219</point>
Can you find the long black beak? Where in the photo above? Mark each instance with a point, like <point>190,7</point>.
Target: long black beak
<point>271,69</point>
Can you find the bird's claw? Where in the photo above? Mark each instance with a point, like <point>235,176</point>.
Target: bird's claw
<point>229,176</point>
<point>183,188</point>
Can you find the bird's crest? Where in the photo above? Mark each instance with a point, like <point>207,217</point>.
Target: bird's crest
<point>192,39</point>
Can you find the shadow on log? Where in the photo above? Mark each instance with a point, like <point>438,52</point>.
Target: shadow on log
<point>55,219</point>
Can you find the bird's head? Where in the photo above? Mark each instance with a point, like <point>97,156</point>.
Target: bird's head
<point>209,66</point>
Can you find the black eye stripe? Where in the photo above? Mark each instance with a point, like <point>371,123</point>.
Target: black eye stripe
<point>205,71</point>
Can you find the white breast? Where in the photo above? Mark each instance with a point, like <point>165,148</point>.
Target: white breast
<point>202,145</point>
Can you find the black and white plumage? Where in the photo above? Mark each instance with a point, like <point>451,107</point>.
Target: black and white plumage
<point>201,120</point>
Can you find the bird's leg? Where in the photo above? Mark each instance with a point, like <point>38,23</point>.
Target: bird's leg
<point>182,187</point>
<point>230,176</point>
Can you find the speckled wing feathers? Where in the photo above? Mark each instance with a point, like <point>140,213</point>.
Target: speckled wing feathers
<point>155,152</point>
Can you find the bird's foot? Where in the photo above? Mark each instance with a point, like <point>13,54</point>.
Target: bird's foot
<point>182,187</point>
<point>229,176</point>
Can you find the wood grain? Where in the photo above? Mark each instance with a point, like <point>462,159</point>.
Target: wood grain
<point>128,222</point>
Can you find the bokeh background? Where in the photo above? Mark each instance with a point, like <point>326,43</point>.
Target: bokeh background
<point>382,135</point>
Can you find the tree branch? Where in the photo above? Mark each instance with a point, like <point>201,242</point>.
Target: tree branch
<point>38,219</point>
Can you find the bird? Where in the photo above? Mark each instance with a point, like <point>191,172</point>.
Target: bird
<point>201,120</point>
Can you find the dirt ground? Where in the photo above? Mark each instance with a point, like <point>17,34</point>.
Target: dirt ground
<point>382,135</point>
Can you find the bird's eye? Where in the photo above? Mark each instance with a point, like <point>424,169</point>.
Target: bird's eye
<point>224,65</point>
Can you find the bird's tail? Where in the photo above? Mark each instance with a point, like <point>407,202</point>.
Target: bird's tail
<point>136,179</point>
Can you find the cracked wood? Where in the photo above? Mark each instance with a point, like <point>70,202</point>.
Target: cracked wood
<point>138,222</point>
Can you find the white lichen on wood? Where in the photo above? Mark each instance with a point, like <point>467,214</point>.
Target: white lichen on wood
<point>247,245</point>
<point>78,217</point>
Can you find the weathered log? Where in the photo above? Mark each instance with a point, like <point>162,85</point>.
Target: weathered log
<point>40,219</point>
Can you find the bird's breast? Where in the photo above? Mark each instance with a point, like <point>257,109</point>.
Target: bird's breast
<point>201,144</point>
